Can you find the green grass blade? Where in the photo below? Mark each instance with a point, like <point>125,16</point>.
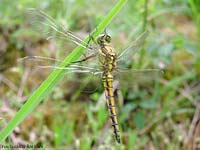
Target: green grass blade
<point>54,77</point>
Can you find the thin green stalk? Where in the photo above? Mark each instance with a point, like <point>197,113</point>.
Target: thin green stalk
<point>145,15</point>
<point>195,15</point>
<point>55,76</point>
<point>144,28</point>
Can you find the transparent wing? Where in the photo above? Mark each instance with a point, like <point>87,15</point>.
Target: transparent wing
<point>41,62</point>
<point>46,25</point>
<point>128,53</point>
<point>129,78</point>
<point>83,76</point>
<point>85,81</point>
<point>87,77</point>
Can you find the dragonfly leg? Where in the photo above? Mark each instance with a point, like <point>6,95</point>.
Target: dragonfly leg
<point>84,59</point>
<point>91,37</point>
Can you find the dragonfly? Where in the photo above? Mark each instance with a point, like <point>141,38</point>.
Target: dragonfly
<point>107,62</point>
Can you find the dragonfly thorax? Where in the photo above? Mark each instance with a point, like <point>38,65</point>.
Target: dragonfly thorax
<point>107,54</point>
<point>107,58</point>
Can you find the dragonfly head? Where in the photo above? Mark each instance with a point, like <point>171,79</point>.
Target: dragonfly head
<point>104,38</point>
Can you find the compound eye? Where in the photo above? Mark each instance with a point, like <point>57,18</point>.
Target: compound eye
<point>108,39</point>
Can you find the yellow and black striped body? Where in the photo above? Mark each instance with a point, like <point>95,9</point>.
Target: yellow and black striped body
<point>107,83</point>
<point>107,59</point>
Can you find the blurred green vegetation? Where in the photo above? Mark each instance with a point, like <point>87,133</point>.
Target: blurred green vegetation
<point>162,114</point>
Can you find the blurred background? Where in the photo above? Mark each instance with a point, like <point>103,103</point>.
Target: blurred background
<point>162,114</point>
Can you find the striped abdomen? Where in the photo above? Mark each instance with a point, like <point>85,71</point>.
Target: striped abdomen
<point>108,87</point>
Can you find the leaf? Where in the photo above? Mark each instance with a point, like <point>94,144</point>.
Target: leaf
<point>139,119</point>
<point>148,104</point>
